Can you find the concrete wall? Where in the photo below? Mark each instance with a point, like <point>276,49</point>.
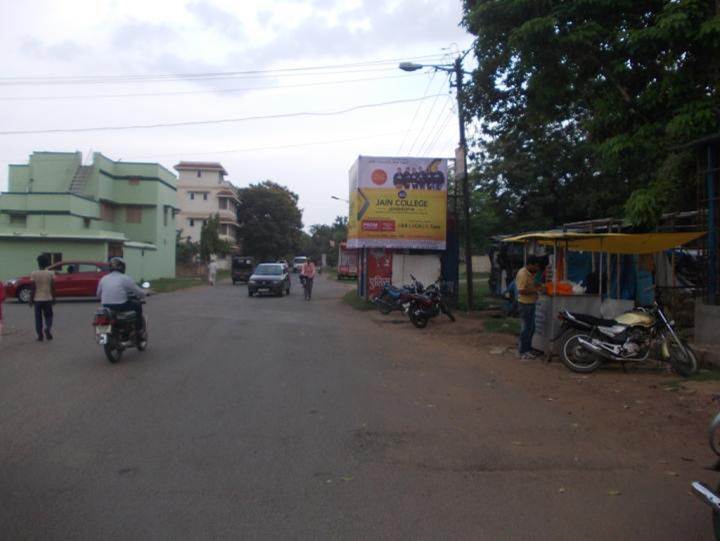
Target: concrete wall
<point>18,256</point>
<point>425,268</point>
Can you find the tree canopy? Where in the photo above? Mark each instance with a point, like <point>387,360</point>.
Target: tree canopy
<point>585,105</point>
<point>270,220</point>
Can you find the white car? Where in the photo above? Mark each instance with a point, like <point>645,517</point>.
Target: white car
<point>298,262</point>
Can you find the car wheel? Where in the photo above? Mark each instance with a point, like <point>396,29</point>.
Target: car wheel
<point>24,294</point>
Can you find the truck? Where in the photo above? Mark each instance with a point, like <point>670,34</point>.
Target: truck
<point>347,262</point>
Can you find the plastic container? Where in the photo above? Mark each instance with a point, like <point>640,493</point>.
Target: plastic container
<point>563,288</point>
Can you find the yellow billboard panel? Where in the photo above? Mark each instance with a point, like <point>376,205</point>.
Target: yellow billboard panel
<point>398,203</point>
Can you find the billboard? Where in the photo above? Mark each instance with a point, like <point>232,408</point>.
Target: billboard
<point>398,203</point>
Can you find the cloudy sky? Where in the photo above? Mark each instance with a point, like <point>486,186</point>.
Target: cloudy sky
<point>255,64</point>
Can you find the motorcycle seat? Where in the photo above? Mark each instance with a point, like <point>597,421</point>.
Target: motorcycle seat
<point>592,320</point>
<point>125,316</point>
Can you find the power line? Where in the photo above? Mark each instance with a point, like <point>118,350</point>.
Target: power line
<point>191,92</point>
<point>222,120</point>
<point>438,118</point>
<point>432,108</point>
<point>440,132</point>
<point>417,110</point>
<point>274,147</point>
<point>112,79</point>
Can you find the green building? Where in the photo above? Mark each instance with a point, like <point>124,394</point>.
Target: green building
<point>55,204</point>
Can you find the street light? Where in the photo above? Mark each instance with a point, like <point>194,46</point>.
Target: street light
<point>456,68</point>
<point>339,198</point>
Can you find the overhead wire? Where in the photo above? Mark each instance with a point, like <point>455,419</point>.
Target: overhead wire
<point>440,132</point>
<point>194,92</point>
<point>222,120</point>
<point>432,108</point>
<point>440,116</point>
<point>417,110</point>
<point>127,78</point>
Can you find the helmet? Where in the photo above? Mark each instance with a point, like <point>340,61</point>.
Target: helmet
<point>117,264</point>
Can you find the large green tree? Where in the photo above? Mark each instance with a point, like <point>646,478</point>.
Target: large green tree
<point>324,239</point>
<point>270,220</point>
<point>586,104</point>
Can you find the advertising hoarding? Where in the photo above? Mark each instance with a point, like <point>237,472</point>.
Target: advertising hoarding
<point>398,203</point>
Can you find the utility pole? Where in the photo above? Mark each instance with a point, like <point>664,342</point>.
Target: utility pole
<point>465,187</point>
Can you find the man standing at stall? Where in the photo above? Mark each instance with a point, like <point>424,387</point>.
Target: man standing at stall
<point>528,293</point>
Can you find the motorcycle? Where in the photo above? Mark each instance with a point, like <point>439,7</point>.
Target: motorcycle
<point>397,298</point>
<point>704,492</point>
<point>117,331</point>
<point>587,341</point>
<point>427,305</point>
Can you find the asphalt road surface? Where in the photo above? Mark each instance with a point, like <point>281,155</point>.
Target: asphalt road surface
<point>276,418</point>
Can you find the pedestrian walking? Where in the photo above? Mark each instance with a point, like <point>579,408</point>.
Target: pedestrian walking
<point>42,297</point>
<point>528,293</point>
<point>308,276</point>
<point>212,272</point>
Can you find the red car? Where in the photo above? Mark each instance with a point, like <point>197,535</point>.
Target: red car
<point>72,279</point>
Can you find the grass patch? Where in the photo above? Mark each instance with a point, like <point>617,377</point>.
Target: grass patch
<point>359,303</point>
<point>505,325</point>
<point>330,273</point>
<point>481,292</point>
<point>705,375</point>
<point>166,285</point>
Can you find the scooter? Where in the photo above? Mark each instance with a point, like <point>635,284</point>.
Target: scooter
<point>117,331</point>
<point>427,305</point>
<point>587,341</point>
<point>705,493</point>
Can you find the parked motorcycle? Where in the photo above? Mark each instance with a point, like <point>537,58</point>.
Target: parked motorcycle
<point>587,341</point>
<point>397,298</point>
<point>705,493</point>
<point>427,305</point>
<point>117,331</point>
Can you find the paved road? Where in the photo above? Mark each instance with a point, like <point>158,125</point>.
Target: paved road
<point>275,418</point>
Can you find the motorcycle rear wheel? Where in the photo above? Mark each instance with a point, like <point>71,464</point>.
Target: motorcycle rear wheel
<point>419,320</point>
<point>716,520</point>
<point>684,363</point>
<point>574,356</point>
<point>112,352</point>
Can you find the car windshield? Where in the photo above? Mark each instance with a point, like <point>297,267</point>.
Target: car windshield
<point>300,260</point>
<point>269,270</point>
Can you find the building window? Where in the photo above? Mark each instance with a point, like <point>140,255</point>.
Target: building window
<point>223,203</point>
<point>192,222</point>
<point>199,173</point>
<point>192,195</point>
<point>134,181</point>
<point>165,215</point>
<point>133,215</point>
<point>107,212</point>
<point>55,257</point>
<point>115,250</point>
<point>205,194</point>
<point>18,219</point>
<point>86,223</point>
<point>224,229</point>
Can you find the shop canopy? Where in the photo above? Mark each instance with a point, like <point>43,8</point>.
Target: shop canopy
<point>612,243</point>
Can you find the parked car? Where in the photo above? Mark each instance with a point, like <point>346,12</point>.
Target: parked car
<point>72,279</point>
<point>298,262</point>
<point>269,278</point>
<point>241,268</point>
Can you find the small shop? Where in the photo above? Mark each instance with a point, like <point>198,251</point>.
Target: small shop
<point>600,274</point>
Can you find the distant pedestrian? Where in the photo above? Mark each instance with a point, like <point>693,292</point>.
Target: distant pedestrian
<point>527,296</point>
<point>308,276</point>
<point>42,297</point>
<point>212,272</point>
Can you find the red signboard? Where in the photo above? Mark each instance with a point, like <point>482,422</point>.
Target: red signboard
<point>378,225</point>
<point>379,270</point>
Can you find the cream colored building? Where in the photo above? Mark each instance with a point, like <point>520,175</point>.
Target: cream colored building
<point>202,191</point>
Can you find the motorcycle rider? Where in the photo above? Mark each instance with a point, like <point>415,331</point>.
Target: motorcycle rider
<point>113,291</point>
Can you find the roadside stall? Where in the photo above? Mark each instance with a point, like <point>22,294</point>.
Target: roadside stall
<point>600,274</point>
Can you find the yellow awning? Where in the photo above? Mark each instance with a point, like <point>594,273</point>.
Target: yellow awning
<point>613,243</point>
